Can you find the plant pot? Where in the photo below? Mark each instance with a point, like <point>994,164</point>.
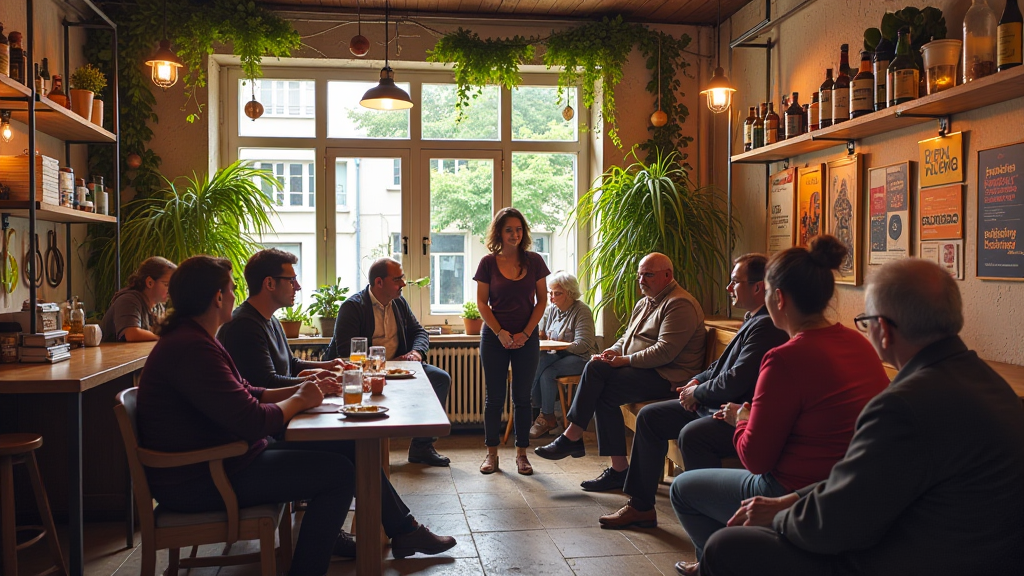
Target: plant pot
<point>327,326</point>
<point>291,328</point>
<point>473,326</point>
<point>940,59</point>
<point>97,112</point>
<point>81,102</point>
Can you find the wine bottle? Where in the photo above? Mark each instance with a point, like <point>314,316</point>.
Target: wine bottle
<point>903,74</point>
<point>813,113</point>
<point>841,88</point>
<point>44,73</point>
<point>748,130</point>
<point>17,59</point>
<point>862,91</point>
<point>980,32</point>
<point>757,133</point>
<point>885,51</point>
<point>825,100</point>
<point>1009,32</point>
<point>771,125</point>
<point>794,117</point>
<point>38,79</point>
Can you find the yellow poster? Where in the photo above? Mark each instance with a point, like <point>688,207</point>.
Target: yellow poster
<point>809,208</point>
<point>942,160</point>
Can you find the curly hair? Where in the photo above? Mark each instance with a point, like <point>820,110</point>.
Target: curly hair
<point>494,232</point>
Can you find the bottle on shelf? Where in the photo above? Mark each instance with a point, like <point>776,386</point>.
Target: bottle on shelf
<point>841,88</point>
<point>825,100</point>
<point>56,94</point>
<point>65,316</point>
<point>862,89</point>
<point>748,130</point>
<point>76,336</point>
<point>771,125</point>
<point>884,53</point>
<point>44,73</point>
<point>904,77</point>
<point>813,113</point>
<point>794,117</point>
<point>757,132</point>
<point>979,41</point>
<point>38,79</point>
<point>1009,37</point>
<point>17,59</point>
<point>5,53</point>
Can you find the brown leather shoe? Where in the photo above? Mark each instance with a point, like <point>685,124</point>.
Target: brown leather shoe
<point>684,568</point>
<point>420,540</point>
<point>628,516</point>
<point>542,425</point>
<point>523,465</point>
<point>490,465</point>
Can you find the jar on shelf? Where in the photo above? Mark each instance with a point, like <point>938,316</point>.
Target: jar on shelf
<point>66,185</point>
<point>979,41</point>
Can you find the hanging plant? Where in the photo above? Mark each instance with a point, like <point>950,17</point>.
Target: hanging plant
<point>665,82</point>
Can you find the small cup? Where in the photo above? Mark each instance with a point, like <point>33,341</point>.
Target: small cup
<point>93,334</point>
<point>376,384</point>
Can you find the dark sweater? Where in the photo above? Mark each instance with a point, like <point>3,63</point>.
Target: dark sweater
<point>260,349</point>
<point>356,319</point>
<point>191,396</point>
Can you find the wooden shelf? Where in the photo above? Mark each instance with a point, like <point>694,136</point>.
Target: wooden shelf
<point>51,118</point>
<point>12,89</point>
<point>52,213</point>
<point>993,89</point>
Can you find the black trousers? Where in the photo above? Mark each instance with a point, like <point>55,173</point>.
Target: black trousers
<point>496,361</point>
<point>441,382</point>
<point>702,440</point>
<point>759,551</point>
<point>603,389</point>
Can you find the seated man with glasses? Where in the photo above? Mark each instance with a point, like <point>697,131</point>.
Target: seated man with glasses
<point>664,343</point>
<point>933,478</point>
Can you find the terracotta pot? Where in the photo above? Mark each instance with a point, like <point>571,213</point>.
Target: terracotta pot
<point>473,326</point>
<point>327,326</point>
<point>81,102</point>
<point>291,328</point>
<point>97,112</point>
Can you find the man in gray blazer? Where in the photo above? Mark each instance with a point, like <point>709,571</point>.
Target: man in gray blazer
<point>663,343</point>
<point>933,480</point>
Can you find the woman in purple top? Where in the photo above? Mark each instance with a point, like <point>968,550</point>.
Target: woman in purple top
<point>511,294</point>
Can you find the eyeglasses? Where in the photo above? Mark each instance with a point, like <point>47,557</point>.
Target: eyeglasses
<point>649,275</point>
<point>861,321</point>
<point>292,279</point>
<point>735,282</point>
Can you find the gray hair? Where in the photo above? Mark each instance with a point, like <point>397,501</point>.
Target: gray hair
<point>920,298</point>
<point>567,282</point>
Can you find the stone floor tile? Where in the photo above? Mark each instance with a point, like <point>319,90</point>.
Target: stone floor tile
<point>519,553</point>
<point>605,565</point>
<point>580,542</point>
<point>493,501</point>
<point>578,517</point>
<point>502,520</point>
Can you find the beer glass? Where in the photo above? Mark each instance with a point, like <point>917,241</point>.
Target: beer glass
<point>352,386</point>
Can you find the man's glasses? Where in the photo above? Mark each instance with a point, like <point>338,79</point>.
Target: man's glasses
<point>292,279</point>
<point>735,282</point>
<point>862,321</point>
<point>649,275</point>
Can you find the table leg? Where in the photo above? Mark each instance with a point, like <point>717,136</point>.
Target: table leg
<point>76,563</point>
<point>369,546</point>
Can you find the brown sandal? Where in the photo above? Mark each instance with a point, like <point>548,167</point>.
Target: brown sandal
<point>523,465</point>
<point>490,465</point>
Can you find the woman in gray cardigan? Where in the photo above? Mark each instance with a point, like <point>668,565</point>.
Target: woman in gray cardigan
<point>566,319</point>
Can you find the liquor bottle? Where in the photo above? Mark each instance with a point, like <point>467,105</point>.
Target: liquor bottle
<point>748,130</point>
<point>1009,32</point>
<point>65,316</point>
<point>841,88</point>
<point>38,79</point>
<point>884,53</point>
<point>757,131</point>
<point>979,41</point>
<point>825,100</point>
<point>862,90</point>
<point>56,93</point>
<point>813,113</point>
<point>76,336</point>
<point>903,74</point>
<point>5,53</point>
<point>771,125</point>
<point>794,117</point>
<point>44,73</point>
<point>17,59</point>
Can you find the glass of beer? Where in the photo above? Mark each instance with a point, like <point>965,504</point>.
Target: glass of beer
<point>352,386</point>
<point>378,357</point>
<point>357,350</point>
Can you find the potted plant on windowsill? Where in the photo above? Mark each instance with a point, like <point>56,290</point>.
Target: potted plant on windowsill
<point>292,319</point>
<point>471,318</point>
<point>326,302</point>
<point>87,83</point>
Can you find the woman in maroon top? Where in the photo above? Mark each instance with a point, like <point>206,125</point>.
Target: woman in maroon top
<point>511,294</point>
<point>808,396</point>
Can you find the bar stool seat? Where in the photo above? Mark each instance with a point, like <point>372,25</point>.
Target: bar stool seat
<point>20,449</point>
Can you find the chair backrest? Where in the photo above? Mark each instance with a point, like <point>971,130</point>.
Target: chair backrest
<point>125,411</point>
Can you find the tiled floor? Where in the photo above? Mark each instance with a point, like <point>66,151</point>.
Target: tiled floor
<point>505,523</point>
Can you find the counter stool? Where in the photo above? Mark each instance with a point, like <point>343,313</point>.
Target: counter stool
<point>20,449</point>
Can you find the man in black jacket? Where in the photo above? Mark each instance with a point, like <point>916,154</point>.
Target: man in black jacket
<point>933,480</point>
<point>703,441</point>
<point>381,315</point>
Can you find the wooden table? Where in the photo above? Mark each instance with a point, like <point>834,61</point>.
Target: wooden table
<point>87,368</point>
<point>414,411</point>
<point>554,345</point>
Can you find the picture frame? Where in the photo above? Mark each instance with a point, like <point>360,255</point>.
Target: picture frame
<point>781,229</point>
<point>810,204</point>
<point>941,211</point>
<point>889,212</point>
<point>843,211</point>
<point>1000,213</point>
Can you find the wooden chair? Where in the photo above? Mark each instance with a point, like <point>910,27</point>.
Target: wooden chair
<point>21,449</point>
<point>565,390</point>
<point>164,529</point>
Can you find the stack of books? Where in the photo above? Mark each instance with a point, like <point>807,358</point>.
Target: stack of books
<point>51,347</point>
<point>14,173</point>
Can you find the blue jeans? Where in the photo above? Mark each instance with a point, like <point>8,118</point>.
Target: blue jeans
<point>704,500</point>
<point>496,360</point>
<point>551,366</point>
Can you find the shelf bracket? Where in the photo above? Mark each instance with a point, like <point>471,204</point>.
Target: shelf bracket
<point>5,221</point>
<point>851,145</point>
<point>785,164</point>
<point>944,120</point>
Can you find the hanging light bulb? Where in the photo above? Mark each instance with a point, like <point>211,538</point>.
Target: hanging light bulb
<point>253,108</point>
<point>386,95</point>
<point>359,45</point>
<point>164,62</point>
<point>719,90</point>
<point>5,126</point>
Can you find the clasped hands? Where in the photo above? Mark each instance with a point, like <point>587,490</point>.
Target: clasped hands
<point>761,510</point>
<point>512,341</point>
<point>613,357</point>
<point>731,413</point>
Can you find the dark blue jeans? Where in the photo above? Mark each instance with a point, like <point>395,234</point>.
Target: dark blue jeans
<point>496,360</point>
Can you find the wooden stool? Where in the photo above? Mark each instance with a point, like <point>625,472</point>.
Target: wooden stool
<point>565,390</point>
<point>20,449</point>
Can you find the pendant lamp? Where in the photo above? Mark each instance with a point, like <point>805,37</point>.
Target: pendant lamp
<point>719,90</point>
<point>165,63</point>
<point>386,95</point>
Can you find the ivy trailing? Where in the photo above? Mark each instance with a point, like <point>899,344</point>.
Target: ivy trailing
<point>668,51</point>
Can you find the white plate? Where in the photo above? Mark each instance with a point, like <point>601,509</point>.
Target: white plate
<point>353,411</point>
<point>406,374</point>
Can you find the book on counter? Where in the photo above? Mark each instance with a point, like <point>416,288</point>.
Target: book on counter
<point>44,351</point>
<point>44,339</point>
<point>47,359</point>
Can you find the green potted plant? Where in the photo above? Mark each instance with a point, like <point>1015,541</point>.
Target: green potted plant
<point>292,319</point>
<point>87,82</point>
<point>326,302</point>
<point>925,24</point>
<point>471,318</point>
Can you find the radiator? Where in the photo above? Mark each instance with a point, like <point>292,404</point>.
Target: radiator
<point>466,397</point>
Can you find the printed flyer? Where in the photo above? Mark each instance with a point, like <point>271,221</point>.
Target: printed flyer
<point>1000,213</point>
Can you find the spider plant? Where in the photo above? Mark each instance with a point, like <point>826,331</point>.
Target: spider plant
<point>647,208</point>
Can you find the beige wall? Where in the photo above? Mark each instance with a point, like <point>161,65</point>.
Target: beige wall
<point>807,44</point>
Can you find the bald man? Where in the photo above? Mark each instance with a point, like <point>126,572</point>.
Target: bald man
<point>663,345</point>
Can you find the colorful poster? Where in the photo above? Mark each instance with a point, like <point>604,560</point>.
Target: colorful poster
<point>890,212</point>
<point>781,200</point>
<point>942,160</point>
<point>1000,213</point>
<point>843,206</point>
<point>946,253</point>
<point>810,210</point>
<point>942,212</point>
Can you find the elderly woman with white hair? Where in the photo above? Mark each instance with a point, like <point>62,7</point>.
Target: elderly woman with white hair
<point>566,319</point>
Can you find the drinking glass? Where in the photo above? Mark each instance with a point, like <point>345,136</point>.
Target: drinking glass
<point>378,357</point>
<point>352,386</point>
<point>357,352</point>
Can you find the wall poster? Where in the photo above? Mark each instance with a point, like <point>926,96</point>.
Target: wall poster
<point>889,212</point>
<point>942,160</point>
<point>946,253</point>
<point>781,204</point>
<point>843,208</point>
<point>810,209</point>
<point>1000,213</point>
<point>942,212</point>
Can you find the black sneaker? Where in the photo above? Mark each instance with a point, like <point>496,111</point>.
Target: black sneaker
<point>427,455</point>
<point>608,480</point>
<point>344,546</point>
<point>561,447</point>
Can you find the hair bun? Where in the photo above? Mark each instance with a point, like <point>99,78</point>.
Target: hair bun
<point>827,251</point>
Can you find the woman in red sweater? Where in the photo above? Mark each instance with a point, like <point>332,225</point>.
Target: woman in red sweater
<point>809,393</point>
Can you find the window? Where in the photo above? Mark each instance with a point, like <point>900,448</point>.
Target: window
<point>347,119</point>
<point>449,285</point>
<point>296,177</point>
<point>396,246</point>
<point>542,246</point>
<point>537,114</point>
<point>397,181</point>
<point>289,108</point>
<point>341,185</point>
<point>480,121</point>
<point>544,190</point>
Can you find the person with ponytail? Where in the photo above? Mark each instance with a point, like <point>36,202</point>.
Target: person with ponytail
<point>808,395</point>
<point>131,316</point>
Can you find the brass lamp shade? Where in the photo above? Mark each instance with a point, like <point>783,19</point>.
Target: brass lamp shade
<point>165,64</point>
<point>385,95</point>
<point>719,92</point>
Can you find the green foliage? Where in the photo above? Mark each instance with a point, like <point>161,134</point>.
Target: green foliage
<point>668,52</point>
<point>88,77</point>
<point>419,282</point>
<point>222,216</point>
<point>470,311</point>
<point>327,300</point>
<point>643,208</point>
<point>295,314</point>
<point>925,24</point>
<point>479,62</point>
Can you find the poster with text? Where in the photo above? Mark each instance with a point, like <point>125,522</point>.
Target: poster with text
<point>843,208</point>
<point>942,160</point>
<point>946,253</point>
<point>889,212</point>
<point>810,210</point>
<point>1000,213</point>
<point>781,202</point>
<point>942,212</point>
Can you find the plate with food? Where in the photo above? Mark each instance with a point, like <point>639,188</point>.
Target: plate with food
<point>394,373</point>
<point>364,411</point>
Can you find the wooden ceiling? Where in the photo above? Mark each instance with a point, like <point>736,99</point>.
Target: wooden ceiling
<point>652,11</point>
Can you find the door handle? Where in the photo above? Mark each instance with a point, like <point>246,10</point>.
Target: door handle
<point>405,245</point>
<point>426,243</point>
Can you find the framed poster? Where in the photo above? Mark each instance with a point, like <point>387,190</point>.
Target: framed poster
<point>945,253</point>
<point>1000,213</point>
<point>942,212</point>
<point>889,212</point>
<point>942,160</point>
<point>843,208</point>
<point>810,208</point>
<point>781,205</point>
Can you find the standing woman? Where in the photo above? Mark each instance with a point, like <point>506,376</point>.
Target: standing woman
<point>131,316</point>
<point>511,294</point>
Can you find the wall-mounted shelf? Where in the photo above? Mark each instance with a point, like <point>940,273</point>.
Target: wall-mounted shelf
<point>51,118</point>
<point>993,89</point>
<point>52,213</point>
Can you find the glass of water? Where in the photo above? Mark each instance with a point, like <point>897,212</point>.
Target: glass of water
<point>378,357</point>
